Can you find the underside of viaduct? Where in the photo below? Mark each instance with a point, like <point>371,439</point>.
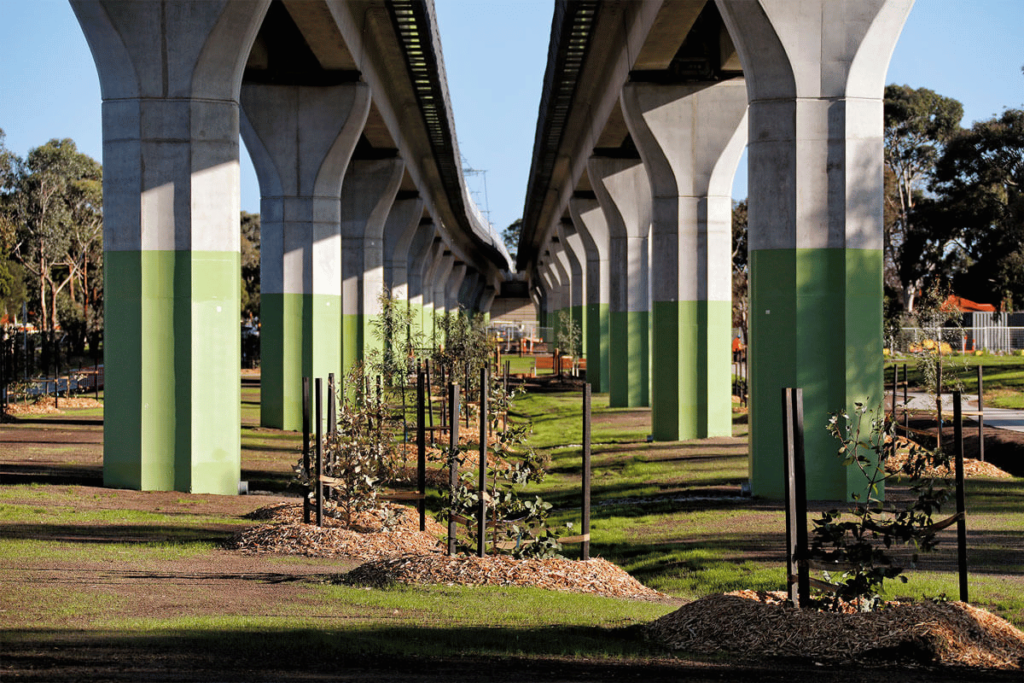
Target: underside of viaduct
<point>344,109</point>
<point>647,108</point>
<point>342,104</point>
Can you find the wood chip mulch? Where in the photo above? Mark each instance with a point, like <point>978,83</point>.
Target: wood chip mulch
<point>595,576</point>
<point>406,555</point>
<point>285,533</point>
<point>47,405</point>
<point>972,467</point>
<point>760,624</point>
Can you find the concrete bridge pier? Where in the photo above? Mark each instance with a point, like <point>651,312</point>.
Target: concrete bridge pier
<point>690,137</point>
<point>367,195</point>
<point>815,75</point>
<point>624,194</point>
<point>576,261</point>
<point>421,258</point>
<point>300,140</point>
<point>452,287</point>
<point>171,244</point>
<point>560,271</point>
<point>469,291</point>
<point>399,232</point>
<point>487,294</point>
<point>590,224</point>
<point>438,286</point>
<point>431,265</point>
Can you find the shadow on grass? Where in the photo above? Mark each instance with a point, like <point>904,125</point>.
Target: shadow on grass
<point>57,420</point>
<point>410,653</point>
<point>139,533</point>
<point>65,475</point>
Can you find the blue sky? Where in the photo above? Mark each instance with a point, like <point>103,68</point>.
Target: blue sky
<point>495,53</point>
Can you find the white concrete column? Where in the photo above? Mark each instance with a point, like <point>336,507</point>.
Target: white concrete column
<point>300,140</point>
<point>691,137</point>
<point>439,282</point>
<point>432,265</point>
<point>487,295</point>
<point>576,260</point>
<point>399,231</point>
<point>419,260</point>
<point>469,292</point>
<point>455,278</point>
<point>367,194</point>
<point>169,75</point>
<point>815,74</point>
<point>590,224</point>
<point>624,193</point>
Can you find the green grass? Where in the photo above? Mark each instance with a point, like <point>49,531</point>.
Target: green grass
<point>1003,377</point>
<point>669,514</point>
<point>648,516</point>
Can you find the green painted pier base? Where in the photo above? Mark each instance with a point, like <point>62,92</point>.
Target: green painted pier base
<point>815,323</point>
<point>690,377</point>
<point>300,337</point>
<point>628,359</point>
<point>595,343</point>
<point>172,356</point>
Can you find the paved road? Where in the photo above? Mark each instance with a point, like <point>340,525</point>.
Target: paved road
<point>1003,418</point>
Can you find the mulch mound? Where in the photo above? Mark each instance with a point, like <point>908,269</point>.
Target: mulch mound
<point>757,625</point>
<point>404,554</point>
<point>972,467</point>
<point>595,576</point>
<point>48,406</point>
<point>367,539</point>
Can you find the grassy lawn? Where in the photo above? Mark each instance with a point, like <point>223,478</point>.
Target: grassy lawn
<point>1003,377</point>
<point>670,514</point>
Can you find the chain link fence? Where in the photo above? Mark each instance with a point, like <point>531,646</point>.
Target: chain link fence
<point>994,339</point>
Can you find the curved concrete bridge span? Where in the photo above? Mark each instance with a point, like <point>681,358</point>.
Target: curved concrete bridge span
<point>343,107</point>
<point>646,109</point>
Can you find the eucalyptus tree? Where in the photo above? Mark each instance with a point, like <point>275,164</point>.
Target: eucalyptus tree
<point>918,123</point>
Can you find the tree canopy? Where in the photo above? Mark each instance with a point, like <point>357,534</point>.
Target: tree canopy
<point>918,123</point>
<point>52,224</point>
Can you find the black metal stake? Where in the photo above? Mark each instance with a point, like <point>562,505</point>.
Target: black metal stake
<point>481,534</point>
<point>445,382</point>
<point>318,488</point>
<point>981,415</point>
<point>453,464</point>
<point>906,401</point>
<point>430,401</point>
<point>585,526</point>
<point>895,383</point>
<point>305,446</point>
<point>938,400</point>
<point>797,577</point>
<point>421,450</point>
<point>332,419</point>
<point>961,506</point>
